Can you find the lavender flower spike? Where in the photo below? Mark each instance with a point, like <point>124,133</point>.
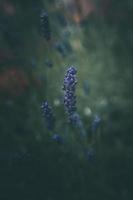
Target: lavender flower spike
<point>56,137</point>
<point>69,88</point>
<point>48,115</point>
<point>70,82</point>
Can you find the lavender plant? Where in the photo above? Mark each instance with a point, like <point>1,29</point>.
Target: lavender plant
<point>69,87</point>
<point>48,115</point>
<point>56,137</point>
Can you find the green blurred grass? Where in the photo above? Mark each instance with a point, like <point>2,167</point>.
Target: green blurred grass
<point>53,171</point>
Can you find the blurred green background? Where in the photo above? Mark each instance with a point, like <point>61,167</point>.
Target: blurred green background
<point>97,38</point>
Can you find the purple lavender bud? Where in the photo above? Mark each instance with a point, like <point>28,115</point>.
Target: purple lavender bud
<point>95,124</point>
<point>69,92</point>
<point>45,26</point>
<point>57,138</point>
<point>48,115</point>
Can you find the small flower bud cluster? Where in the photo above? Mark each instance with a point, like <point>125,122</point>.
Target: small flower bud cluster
<point>69,91</point>
<point>76,120</point>
<point>48,115</point>
<point>57,138</point>
<point>45,26</point>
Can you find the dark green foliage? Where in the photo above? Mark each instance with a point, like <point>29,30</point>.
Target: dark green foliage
<point>32,165</point>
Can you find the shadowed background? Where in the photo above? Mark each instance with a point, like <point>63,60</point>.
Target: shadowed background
<point>97,38</point>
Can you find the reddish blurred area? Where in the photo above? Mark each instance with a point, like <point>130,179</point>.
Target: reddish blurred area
<point>7,7</point>
<point>16,82</point>
<point>85,8</point>
<point>79,10</point>
<point>13,81</point>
